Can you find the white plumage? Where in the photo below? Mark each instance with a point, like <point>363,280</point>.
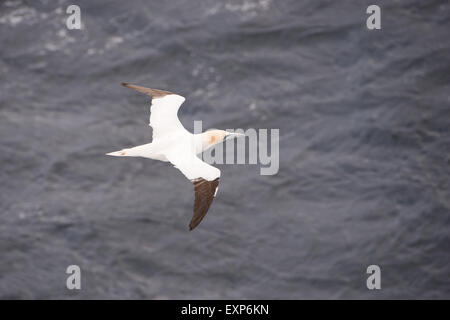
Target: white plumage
<point>173,143</point>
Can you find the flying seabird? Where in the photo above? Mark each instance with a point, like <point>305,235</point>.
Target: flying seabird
<point>171,142</point>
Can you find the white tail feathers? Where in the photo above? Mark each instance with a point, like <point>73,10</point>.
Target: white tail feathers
<point>145,150</point>
<point>120,153</point>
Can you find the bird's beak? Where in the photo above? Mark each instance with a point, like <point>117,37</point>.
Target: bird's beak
<point>231,135</point>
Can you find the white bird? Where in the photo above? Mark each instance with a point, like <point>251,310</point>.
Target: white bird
<point>172,142</point>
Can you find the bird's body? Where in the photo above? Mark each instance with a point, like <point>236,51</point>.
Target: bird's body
<point>173,143</point>
<point>156,150</point>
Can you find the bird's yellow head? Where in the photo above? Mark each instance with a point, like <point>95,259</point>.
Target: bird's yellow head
<point>212,137</point>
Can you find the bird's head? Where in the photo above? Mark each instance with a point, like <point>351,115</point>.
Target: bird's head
<point>212,137</point>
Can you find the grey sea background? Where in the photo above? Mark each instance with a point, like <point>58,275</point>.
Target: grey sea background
<point>364,157</point>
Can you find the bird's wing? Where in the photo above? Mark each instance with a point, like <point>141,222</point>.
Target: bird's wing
<point>204,177</point>
<point>163,110</point>
<point>205,191</point>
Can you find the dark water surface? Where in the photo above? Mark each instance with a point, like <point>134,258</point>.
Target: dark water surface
<point>364,149</point>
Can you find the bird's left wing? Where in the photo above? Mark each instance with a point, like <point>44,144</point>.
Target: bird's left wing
<point>163,110</point>
<point>204,177</point>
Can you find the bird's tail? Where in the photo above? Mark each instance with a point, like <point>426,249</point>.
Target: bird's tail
<point>138,151</point>
<point>120,153</point>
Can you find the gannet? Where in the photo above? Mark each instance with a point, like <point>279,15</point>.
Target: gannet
<point>171,142</point>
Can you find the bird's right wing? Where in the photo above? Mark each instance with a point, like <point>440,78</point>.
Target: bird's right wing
<point>204,177</point>
<point>163,110</point>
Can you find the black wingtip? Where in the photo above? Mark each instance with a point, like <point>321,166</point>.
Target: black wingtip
<point>124,84</point>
